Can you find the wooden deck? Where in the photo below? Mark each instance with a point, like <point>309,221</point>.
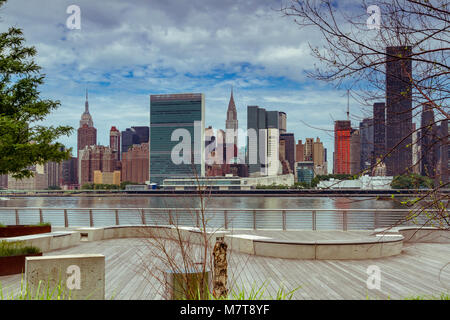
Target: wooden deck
<point>421,269</point>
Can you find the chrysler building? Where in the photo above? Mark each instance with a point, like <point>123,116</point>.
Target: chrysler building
<point>231,125</point>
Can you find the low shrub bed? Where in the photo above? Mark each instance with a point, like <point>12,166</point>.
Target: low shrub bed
<point>12,256</point>
<point>23,230</point>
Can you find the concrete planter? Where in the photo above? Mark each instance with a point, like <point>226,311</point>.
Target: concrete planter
<point>22,230</point>
<point>14,264</point>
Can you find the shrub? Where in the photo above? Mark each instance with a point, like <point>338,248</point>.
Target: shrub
<point>16,248</point>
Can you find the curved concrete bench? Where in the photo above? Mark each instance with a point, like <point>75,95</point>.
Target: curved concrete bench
<point>419,234</point>
<point>191,234</point>
<point>368,247</point>
<point>425,234</point>
<point>330,250</point>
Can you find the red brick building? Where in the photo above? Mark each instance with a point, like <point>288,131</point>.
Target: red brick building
<point>135,164</point>
<point>95,158</point>
<point>342,132</point>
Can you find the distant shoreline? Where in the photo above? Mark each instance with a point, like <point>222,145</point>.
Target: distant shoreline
<point>384,194</point>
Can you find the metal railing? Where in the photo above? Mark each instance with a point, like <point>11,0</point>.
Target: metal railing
<point>227,218</point>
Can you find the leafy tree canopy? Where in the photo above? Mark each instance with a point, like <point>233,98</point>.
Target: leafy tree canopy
<point>412,181</point>
<point>25,142</point>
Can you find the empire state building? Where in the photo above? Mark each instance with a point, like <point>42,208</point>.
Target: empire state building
<point>87,134</point>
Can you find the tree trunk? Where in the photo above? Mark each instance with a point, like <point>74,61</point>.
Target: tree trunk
<point>220,269</point>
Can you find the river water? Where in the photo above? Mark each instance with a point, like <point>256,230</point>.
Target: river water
<point>244,219</point>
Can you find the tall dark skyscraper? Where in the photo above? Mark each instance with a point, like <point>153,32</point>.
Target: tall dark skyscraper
<point>355,151</point>
<point>444,153</point>
<point>134,135</point>
<point>87,134</point>
<point>429,143</point>
<point>367,136</point>
<point>379,131</point>
<point>256,121</point>
<point>398,110</point>
<point>289,147</point>
<point>170,115</point>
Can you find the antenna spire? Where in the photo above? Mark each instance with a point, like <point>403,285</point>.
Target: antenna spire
<point>86,104</point>
<point>348,105</point>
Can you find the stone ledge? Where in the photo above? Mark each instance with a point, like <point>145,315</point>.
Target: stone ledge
<point>80,275</point>
<point>49,241</point>
<point>419,234</point>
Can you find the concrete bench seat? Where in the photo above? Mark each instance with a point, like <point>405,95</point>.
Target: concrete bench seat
<point>364,248</point>
<point>419,234</point>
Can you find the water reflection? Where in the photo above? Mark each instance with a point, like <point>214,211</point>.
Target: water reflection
<point>255,202</point>
<point>237,219</point>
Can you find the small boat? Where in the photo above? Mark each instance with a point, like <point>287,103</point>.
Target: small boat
<point>4,198</point>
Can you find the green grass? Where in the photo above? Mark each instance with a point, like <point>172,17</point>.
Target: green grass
<point>42,292</point>
<point>40,224</point>
<point>259,293</point>
<point>443,296</point>
<point>16,248</point>
<point>255,293</point>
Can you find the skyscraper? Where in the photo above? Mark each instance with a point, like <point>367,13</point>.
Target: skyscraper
<point>416,153</point>
<point>87,134</point>
<point>444,152</point>
<point>355,151</point>
<point>262,141</point>
<point>309,145</point>
<point>429,142</point>
<point>379,131</point>
<point>366,131</point>
<point>134,135</point>
<point>68,176</point>
<point>399,110</point>
<point>177,136</point>
<point>114,142</point>
<point>342,132</point>
<point>231,126</point>
<point>320,166</point>
<point>299,151</point>
<point>282,122</point>
<point>289,149</point>
<point>53,171</point>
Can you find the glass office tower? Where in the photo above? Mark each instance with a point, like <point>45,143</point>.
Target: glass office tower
<point>169,112</point>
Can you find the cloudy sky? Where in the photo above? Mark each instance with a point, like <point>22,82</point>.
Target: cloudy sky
<point>128,50</point>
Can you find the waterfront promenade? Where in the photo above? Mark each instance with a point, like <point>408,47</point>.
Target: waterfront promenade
<point>420,269</point>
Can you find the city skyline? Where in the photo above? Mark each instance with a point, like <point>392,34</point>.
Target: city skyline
<point>98,57</point>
